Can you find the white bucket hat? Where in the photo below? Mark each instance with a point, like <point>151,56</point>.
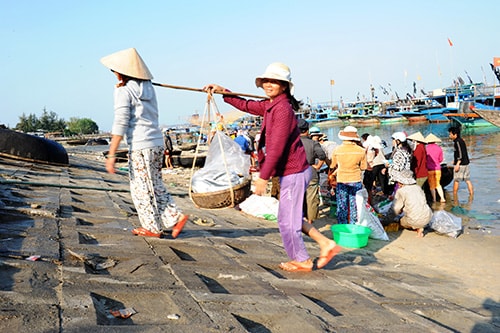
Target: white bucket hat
<point>399,136</point>
<point>276,71</point>
<point>128,62</point>
<point>431,138</point>
<point>417,137</point>
<point>404,177</point>
<point>350,133</point>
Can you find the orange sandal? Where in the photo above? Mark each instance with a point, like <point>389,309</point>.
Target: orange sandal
<point>293,266</point>
<point>176,230</point>
<point>324,260</point>
<point>145,232</point>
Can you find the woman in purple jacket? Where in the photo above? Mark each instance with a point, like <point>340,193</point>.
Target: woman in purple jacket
<point>281,154</point>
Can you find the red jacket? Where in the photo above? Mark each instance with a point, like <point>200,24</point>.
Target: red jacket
<point>419,161</point>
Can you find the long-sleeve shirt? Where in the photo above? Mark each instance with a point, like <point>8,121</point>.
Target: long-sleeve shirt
<point>434,156</point>
<point>136,115</point>
<point>280,151</point>
<point>411,200</point>
<point>419,161</point>
<point>350,160</point>
<point>313,151</point>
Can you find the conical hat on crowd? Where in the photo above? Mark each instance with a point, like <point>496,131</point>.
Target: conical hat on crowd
<point>432,138</point>
<point>128,62</point>
<point>416,137</point>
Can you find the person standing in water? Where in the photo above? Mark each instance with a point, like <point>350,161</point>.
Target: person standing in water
<point>461,170</point>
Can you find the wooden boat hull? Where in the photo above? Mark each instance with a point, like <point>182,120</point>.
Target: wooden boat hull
<point>26,147</point>
<point>492,116</point>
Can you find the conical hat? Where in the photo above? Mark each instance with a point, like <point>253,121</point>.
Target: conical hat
<point>128,62</point>
<point>416,137</point>
<point>432,138</point>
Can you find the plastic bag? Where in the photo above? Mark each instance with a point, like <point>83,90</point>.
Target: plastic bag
<point>368,217</point>
<point>261,206</point>
<point>383,207</point>
<point>446,223</point>
<point>222,152</point>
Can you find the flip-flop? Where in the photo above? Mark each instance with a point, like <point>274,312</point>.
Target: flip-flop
<point>326,259</point>
<point>145,232</point>
<point>176,230</point>
<point>294,267</point>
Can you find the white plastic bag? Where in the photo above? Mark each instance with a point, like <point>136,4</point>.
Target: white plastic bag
<point>368,217</point>
<point>446,223</point>
<point>222,152</point>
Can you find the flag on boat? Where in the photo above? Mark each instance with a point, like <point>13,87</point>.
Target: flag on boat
<point>449,42</point>
<point>332,82</point>
<point>496,61</point>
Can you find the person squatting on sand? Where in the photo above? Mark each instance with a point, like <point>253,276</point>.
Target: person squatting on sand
<point>281,154</point>
<point>410,201</point>
<point>136,117</point>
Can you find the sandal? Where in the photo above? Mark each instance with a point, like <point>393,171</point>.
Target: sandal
<point>324,260</point>
<point>145,232</point>
<point>293,266</point>
<point>176,230</point>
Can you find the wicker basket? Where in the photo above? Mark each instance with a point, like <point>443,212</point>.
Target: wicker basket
<point>222,199</point>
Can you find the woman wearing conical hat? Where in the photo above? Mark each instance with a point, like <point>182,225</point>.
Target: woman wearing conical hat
<point>434,160</point>
<point>136,118</point>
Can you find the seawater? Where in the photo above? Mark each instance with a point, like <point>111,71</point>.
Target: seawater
<point>482,214</point>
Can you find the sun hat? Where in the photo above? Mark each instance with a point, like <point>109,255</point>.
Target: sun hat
<point>416,137</point>
<point>128,62</point>
<point>431,138</point>
<point>315,131</point>
<point>404,177</point>
<point>350,133</point>
<point>303,125</point>
<point>323,137</point>
<point>399,136</point>
<point>276,71</point>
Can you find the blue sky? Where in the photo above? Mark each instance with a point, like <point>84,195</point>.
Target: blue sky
<point>51,49</point>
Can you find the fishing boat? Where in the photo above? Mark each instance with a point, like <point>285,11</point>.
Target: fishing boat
<point>31,148</point>
<point>390,118</point>
<point>490,115</point>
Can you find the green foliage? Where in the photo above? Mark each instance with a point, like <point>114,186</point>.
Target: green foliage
<point>48,122</point>
<point>80,126</point>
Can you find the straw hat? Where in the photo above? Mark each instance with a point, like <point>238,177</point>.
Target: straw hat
<point>128,62</point>
<point>417,137</point>
<point>276,71</point>
<point>350,133</point>
<point>404,177</point>
<point>431,138</point>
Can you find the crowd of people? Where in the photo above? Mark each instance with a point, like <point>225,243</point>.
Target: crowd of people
<point>287,151</point>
